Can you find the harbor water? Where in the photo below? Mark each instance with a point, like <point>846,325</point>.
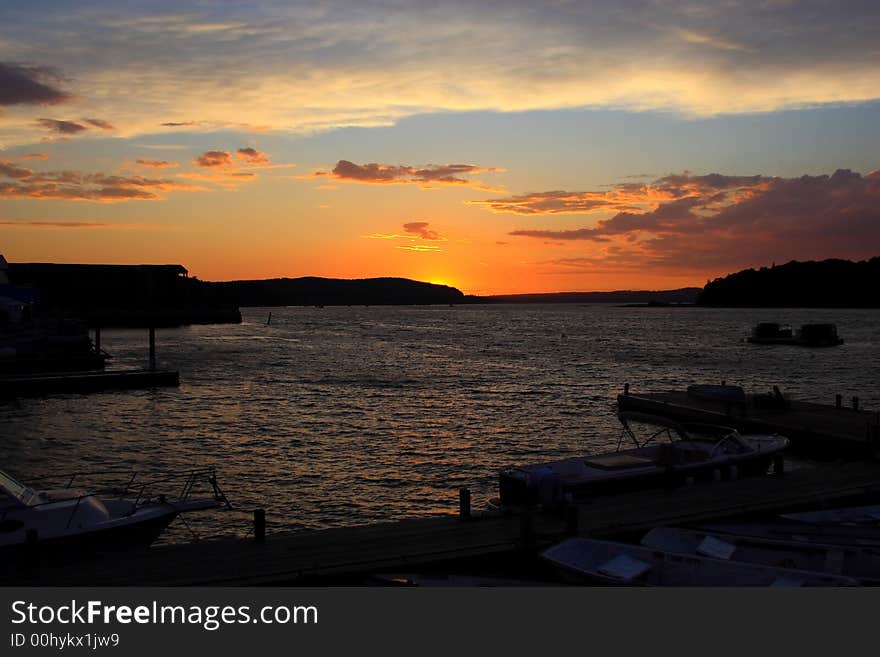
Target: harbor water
<point>351,415</point>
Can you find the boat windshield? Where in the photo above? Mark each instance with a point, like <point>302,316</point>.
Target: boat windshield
<point>15,489</point>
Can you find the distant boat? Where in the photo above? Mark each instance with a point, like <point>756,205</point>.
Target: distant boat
<point>809,335</point>
<point>71,518</point>
<point>691,450</point>
<point>587,561</point>
<point>862,563</point>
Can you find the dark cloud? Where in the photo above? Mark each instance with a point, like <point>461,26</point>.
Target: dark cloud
<point>100,123</point>
<point>213,159</point>
<point>422,229</point>
<point>718,221</point>
<point>425,176</point>
<point>29,85</point>
<point>252,156</point>
<point>79,186</point>
<point>62,127</point>
<point>157,164</point>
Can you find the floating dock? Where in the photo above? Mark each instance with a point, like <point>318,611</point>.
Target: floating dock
<point>74,382</point>
<point>348,555</point>
<point>817,430</point>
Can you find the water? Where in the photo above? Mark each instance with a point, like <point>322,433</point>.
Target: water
<point>350,415</point>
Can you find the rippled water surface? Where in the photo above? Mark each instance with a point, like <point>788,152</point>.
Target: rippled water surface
<point>348,415</point>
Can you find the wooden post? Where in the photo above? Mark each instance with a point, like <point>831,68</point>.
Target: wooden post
<point>778,465</point>
<point>152,348</point>
<point>525,528</point>
<point>464,504</point>
<point>625,389</point>
<point>838,401</point>
<point>260,525</point>
<point>572,520</point>
<point>855,403</point>
<point>97,339</point>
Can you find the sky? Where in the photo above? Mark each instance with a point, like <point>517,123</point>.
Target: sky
<point>499,147</point>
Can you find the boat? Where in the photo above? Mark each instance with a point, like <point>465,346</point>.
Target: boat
<point>855,515</point>
<point>861,563</point>
<point>819,335</point>
<point>130,511</point>
<point>666,453</point>
<point>593,561</point>
<point>801,532</point>
<point>809,335</point>
<point>771,333</point>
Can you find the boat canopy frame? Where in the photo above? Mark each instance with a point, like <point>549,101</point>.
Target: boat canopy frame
<point>668,426</point>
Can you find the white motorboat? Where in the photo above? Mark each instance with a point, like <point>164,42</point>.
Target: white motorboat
<point>861,563</point>
<point>133,513</point>
<point>593,561</point>
<point>667,453</point>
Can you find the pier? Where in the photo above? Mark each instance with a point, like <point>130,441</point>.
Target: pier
<point>510,541</point>
<point>818,430</point>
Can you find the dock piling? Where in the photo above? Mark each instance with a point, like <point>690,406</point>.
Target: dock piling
<point>260,525</point>
<point>626,389</point>
<point>855,403</point>
<point>464,504</point>
<point>97,339</point>
<point>152,349</point>
<point>838,401</point>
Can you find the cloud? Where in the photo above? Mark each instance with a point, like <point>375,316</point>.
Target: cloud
<point>213,159</point>
<point>421,248</point>
<point>307,67</point>
<point>721,222</point>
<point>426,176</point>
<point>29,85</point>
<point>62,127</point>
<point>252,156</point>
<point>101,123</point>
<point>18,182</point>
<point>53,224</point>
<point>157,164</point>
<point>422,229</point>
<point>34,156</point>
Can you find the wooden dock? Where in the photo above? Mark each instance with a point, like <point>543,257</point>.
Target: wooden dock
<point>348,554</point>
<point>66,382</point>
<point>819,430</point>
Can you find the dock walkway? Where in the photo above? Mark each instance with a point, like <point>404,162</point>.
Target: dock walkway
<point>815,429</point>
<point>347,553</point>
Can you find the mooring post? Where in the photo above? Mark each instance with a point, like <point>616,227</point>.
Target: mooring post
<point>625,389</point>
<point>152,348</point>
<point>464,504</point>
<point>572,520</point>
<point>260,525</point>
<point>778,465</point>
<point>97,339</point>
<point>855,403</point>
<point>526,530</point>
<point>838,401</point>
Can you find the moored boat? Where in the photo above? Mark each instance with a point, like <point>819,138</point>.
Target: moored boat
<point>861,563</point>
<point>591,561</point>
<point>666,453</point>
<point>132,514</point>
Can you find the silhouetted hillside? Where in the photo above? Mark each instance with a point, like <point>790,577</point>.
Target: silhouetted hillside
<point>312,291</point>
<point>684,295</point>
<point>825,284</point>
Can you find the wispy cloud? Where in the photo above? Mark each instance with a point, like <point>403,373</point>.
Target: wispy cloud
<point>157,164</point>
<point>213,159</point>
<point>79,186</point>
<point>423,230</point>
<point>426,176</point>
<point>420,248</point>
<point>34,156</point>
<point>62,127</point>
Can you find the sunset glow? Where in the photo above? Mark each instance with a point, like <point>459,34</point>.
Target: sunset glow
<point>571,146</point>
